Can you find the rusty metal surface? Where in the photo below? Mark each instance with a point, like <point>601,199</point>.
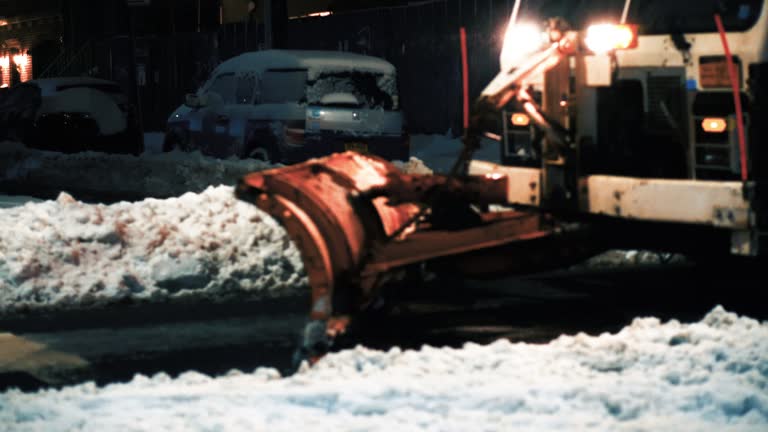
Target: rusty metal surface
<point>334,232</point>
<point>342,210</point>
<point>503,228</point>
<point>488,188</point>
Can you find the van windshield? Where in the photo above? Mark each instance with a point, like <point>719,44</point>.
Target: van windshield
<point>653,16</point>
<point>373,91</point>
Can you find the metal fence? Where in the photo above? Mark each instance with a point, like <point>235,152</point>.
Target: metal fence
<point>422,41</point>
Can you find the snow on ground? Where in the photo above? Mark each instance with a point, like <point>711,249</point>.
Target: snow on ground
<point>706,376</point>
<point>67,254</point>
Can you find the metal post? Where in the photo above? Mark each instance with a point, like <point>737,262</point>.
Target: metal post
<point>625,12</point>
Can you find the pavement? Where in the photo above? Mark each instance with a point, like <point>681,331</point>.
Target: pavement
<point>112,344</point>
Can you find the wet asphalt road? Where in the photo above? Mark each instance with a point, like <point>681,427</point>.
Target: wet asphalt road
<point>113,344</point>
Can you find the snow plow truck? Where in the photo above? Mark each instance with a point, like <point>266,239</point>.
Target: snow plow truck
<point>645,133</point>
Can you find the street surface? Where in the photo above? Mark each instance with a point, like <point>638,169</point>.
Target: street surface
<point>113,344</point>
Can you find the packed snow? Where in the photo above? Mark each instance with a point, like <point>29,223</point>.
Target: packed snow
<point>705,376</point>
<point>157,175</point>
<point>68,254</point>
<point>316,62</point>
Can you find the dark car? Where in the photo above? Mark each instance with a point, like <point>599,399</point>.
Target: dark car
<point>70,115</point>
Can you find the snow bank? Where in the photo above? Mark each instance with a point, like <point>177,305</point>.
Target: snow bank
<point>67,254</point>
<point>628,258</point>
<point>710,375</point>
<point>112,175</point>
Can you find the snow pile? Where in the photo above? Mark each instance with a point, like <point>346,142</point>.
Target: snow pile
<point>628,258</point>
<point>413,166</point>
<point>710,375</point>
<point>112,175</point>
<point>67,254</point>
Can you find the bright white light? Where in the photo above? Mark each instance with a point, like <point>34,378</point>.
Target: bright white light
<point>520,40</point>
<point>21,60</point>
<point>602,38</point>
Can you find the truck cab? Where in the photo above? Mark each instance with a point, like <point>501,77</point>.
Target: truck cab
<point>659,108</point>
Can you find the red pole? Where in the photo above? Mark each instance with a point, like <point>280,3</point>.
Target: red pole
<point>464,75</point>
<point>735,84</point>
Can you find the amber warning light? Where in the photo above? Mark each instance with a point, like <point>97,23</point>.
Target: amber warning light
<point>603,38</point>
<point>520,119</point>
<point>714,125</point>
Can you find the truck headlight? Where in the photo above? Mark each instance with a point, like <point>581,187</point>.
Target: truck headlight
<point>603,38</point>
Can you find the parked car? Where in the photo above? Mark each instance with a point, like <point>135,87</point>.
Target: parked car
<point>70,114</point>
<point>289,106</point>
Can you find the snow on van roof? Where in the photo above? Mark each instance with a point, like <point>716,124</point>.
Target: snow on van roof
<point>314,60</point>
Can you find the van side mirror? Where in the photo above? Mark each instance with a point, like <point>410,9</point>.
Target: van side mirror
<point>194,101</point>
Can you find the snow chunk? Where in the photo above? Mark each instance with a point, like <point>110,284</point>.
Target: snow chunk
<point>101,174</point>
<point>67,254</point>
<point>637,379</point>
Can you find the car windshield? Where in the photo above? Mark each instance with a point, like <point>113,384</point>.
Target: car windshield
<point>371,90</point>
<point>652,16</point>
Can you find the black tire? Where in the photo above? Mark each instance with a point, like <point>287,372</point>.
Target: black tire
<point>258,149</point>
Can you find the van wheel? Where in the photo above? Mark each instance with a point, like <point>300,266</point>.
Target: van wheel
<point>268,153</point>
<point>260,153</point>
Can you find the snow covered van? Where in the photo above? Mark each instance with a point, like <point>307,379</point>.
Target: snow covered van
<point>289,106</point>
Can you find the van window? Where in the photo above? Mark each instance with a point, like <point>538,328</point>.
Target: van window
<point>365,86</point>
<point>224,85</point>
<point>245,86</point>
<point>280,86</point>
